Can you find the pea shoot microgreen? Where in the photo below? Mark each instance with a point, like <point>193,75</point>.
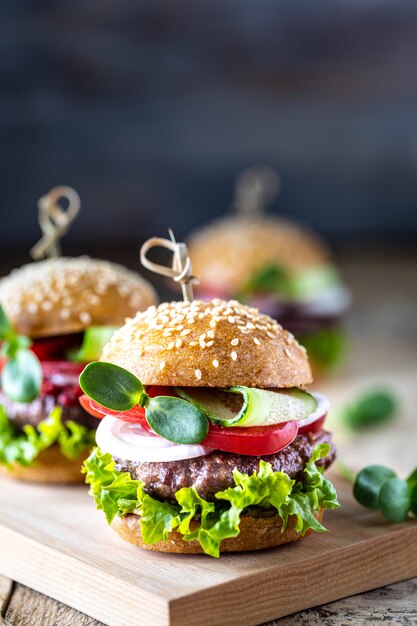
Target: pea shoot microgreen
<point>378,487</point>
<point>21,377</point>
<point>374,408</point>
<point>118,389</point>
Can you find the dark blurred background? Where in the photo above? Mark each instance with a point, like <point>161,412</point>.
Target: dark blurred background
<point>150,109</point>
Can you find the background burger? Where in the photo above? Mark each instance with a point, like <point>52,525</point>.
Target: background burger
<point>208,441</point>
<point>274,264</point>
<point>55,317</point>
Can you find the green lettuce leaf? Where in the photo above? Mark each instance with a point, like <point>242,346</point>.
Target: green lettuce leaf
<point>116,493</point>
<point>23,446</point>
<point>277,279</point>
<point>326,347</point>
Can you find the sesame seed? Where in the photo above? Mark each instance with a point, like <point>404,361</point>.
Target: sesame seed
<point>233,355</point>
<point>213,323</point>
<point>85,317</point>
<point>186,331</point>
<point>231,319</point>
<point>287,352</point>
<point>193,343</point>
<point>209,343</point>
<point>32,307</point>
<point>162,365</point>
<point>210,333</point>
<point>191,320</point>
<point>235,342</point>
<point>46,305</point>
<point>256,340</point>
<point>270,334</point>
<point>171,345</point>
<point>178,343</point>
<point>198,374</point>
<point>203,336</point>
<point>64,314</point>
<point>215,363</point>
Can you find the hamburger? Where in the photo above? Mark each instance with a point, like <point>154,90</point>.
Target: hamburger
<point>208,440</point>
<point>282,268</point>
<point>55,316</point>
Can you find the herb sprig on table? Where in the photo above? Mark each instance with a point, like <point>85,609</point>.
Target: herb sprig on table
<point>373,408</point>
<point>21,377</point>
<point>378,487</point>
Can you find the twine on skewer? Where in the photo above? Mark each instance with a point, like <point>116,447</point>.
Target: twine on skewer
<point>54,220</point>
<point>181,269</point>
<point>255,189</point>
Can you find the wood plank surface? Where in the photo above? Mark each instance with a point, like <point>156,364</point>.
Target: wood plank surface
<point>395,605</point>
<point>68,552</point>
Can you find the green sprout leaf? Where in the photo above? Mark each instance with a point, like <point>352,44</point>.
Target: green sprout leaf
<point>412,479</point>
<point>374,408</point>
<point>94,340</point>
<point>394,500</point>
<point>413,499</point>
<point>6,329</point>
<point>111,386</point>
<point>368,484</point>
<point>22,377</point>
<point>176,420</point>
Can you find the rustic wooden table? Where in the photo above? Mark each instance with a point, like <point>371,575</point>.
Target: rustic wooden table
<point>385,293</point>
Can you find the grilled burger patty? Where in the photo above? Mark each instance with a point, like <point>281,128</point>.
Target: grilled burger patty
<point>213,472</point>
<point>21,413</point>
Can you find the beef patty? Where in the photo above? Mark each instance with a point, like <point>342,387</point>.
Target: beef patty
<point>213,472</point>
<point>21,413</point>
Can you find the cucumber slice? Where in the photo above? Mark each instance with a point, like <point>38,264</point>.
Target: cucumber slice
<point>248,406</point>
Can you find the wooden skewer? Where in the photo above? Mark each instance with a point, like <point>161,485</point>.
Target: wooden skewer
<point>54,220</point>
<point>255,189</point>
<point>181,269</point>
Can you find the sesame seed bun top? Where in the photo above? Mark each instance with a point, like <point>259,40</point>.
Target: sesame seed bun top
<point>208,344</point>
<point>228,251</point>
<point>66,295</point>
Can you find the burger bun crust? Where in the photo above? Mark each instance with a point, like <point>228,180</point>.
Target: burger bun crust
<point>256,533</point>
<point>208,344</point>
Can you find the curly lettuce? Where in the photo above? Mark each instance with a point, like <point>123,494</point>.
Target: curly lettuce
<point>326,347</point>
<point>23,446</point>
<point>116,493</point>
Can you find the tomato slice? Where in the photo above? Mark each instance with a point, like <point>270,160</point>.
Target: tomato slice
<point>314,427</point>
<point>136,414</point>
<point>52,348</point>
<point>253,441</point>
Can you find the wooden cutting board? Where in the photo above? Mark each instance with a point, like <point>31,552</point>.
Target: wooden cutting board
<point>53,540</point>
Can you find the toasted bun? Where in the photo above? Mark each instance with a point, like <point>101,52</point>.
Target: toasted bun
<point>256,533</point>
<point>66,295</point>
<point>50,466</point>
<point>208,344</point>
<point>229,250</point>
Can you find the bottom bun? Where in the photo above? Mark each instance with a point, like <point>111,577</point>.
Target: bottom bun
<point>256,533</point>
<point>50,466</point>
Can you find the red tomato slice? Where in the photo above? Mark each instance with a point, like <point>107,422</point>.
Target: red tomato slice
<point>314,427</point>
<point>133,415</point>
<point>97,410</point>
<point>253,441</point>
<point>54,347</point>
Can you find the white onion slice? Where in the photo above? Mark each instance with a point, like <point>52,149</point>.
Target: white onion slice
<point>333,301</point>
<point>131,442</point>
<point>322,408</point>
